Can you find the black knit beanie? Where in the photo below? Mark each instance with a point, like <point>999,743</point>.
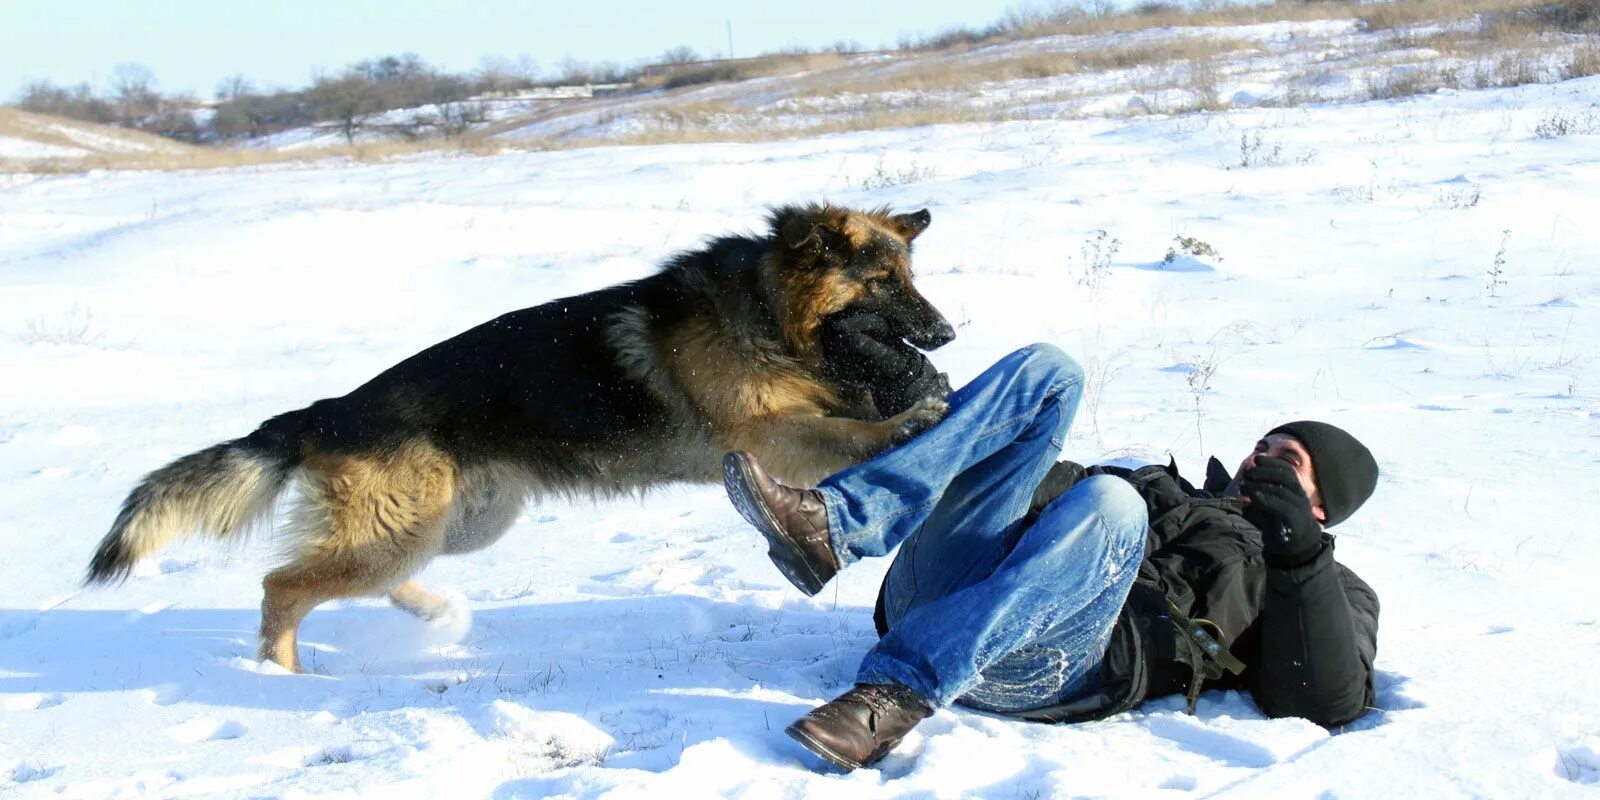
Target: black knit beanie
<point>1346,472</point>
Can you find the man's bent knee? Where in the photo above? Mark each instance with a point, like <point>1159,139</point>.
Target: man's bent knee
<point>1117,504</point>
<point>1046,361</point>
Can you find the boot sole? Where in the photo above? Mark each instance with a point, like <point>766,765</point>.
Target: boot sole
<point>810,743</point>
<point>789,560</point>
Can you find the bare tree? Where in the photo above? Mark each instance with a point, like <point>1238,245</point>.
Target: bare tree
<point>494,74</point>
<point>394,69</point>
<point>133,91</point>
<point>1092,8</point>
<point>682,54</point>
<point>349,101</point>
<point>613,72</point>
<point>234,87</point>
<point>138,105</point>
<point>575,72</point>
<point>501,74</point>
<point>450,120</point>
<point>525,68</point>
<point>251,115</point>
<point>76,102</point>
<point>1148,8</point>
<point>131,80</point>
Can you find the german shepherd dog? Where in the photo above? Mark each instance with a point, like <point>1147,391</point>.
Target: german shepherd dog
<point>600,394</point>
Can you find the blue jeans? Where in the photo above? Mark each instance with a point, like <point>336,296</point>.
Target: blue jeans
<point>982,609</point>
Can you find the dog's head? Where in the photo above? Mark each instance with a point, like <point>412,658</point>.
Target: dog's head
<point>832,260</point>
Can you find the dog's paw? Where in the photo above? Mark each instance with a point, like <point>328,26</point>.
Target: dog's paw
<point>922,415</point>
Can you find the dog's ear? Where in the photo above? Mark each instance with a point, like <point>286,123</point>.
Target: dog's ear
<point>799,232</point>
<point>910,225</point>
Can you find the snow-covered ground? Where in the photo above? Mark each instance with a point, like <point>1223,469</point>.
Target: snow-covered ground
<point>1426,273</point>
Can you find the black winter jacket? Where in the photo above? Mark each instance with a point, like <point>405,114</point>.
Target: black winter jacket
<point>1307,635</point>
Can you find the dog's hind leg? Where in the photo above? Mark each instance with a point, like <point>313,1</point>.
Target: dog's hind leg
<point>415,599</point>
<point>366,523</point>
<point>487,500</point>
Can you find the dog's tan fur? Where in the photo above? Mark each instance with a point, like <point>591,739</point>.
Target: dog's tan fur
<point>776,413</point>
<point>363,525</point>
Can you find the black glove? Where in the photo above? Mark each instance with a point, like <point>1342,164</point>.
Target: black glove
<point>862,351</point>
<point>1279,508</point>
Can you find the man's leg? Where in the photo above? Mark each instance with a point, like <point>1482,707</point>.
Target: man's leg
<point>1024,636</point>
<point>1038,622</point>
<point>979,465</point>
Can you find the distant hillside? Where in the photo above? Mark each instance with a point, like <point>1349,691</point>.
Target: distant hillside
<point>1182,65</point>
<point>1162,60</point>
<point>41,141</point>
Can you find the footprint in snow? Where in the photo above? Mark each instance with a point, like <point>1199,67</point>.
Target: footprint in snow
<point>295,757</point>
<point>714,576</point>
<point>167,566</point>
<point>1182,783</point>
<point>1579,761</point>
<point>611,577</point>
<point>333,711</point>
<point>339,754</point>
<point>171,565</point>
<point>26,771</point>
<point>165,694</point>
<point>206,730</point>
<point>1392,342</point>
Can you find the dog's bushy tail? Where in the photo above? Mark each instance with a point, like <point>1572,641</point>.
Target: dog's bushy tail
<point>220,490</point>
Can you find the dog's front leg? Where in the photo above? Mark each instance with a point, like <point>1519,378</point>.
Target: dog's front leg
<point>805,448</point>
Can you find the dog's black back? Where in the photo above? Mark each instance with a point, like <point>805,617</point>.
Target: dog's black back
<point>545,384</point>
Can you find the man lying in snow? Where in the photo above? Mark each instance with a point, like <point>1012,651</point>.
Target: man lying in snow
<point>1058,592</point>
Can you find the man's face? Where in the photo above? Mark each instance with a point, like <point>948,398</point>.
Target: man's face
<point>1288,448</point>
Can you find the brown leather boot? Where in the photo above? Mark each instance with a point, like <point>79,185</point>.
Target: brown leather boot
<point>794,521</point>
<point>862,725</point>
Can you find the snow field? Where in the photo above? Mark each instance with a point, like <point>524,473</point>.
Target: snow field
<point>1422,272</point>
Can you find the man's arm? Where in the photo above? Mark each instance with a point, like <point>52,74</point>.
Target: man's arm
<point>1319,638</point>
<point>1066,474</point>
<point>1319,623</point>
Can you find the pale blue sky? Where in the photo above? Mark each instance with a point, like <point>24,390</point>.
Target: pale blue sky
<point>191,44</point>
